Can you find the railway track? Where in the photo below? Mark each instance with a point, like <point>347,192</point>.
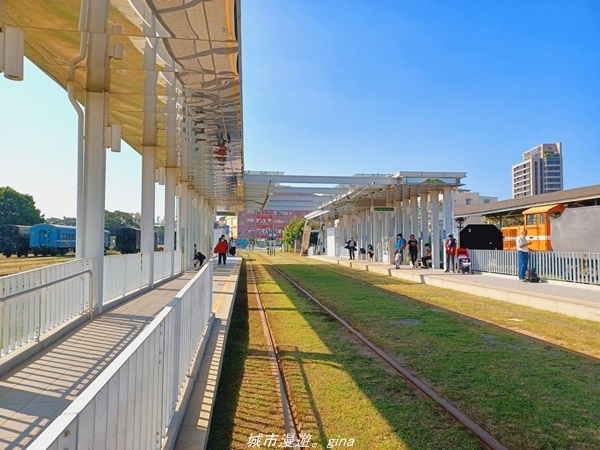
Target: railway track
<point>291,421</point>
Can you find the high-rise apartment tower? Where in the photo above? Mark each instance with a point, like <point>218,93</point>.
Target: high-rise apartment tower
<point>540,172</point>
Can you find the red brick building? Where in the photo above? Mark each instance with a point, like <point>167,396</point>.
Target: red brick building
<point>265,224</point>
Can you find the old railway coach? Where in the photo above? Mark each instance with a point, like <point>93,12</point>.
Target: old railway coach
<point>127,240</point>
<point>14,240</point>
<point>48,239</point>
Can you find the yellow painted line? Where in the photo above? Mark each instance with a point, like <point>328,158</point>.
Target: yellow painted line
<point>223,292</point>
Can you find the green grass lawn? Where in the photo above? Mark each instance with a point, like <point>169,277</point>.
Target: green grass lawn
<point>12,265</point>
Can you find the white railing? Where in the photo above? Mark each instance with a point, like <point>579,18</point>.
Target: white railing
<point>37,301</point>
<point>160,260</point>
<point>562,266</point>
<point>132,402</point>
<point>163,262</point>
<point>124,274</point>
<point>177,261</point>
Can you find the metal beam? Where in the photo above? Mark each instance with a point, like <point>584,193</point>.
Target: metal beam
<point>320,179</point>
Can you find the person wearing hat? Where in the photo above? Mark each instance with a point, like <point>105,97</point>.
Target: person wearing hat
<point>450,246</point>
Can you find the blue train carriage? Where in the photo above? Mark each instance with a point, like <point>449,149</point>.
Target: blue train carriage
<point>49,239</point>
<point>127,240</point>
<point>14,240</point>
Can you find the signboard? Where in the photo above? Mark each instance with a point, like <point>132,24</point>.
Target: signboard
<point>382,209</point>
<point>226,213</point>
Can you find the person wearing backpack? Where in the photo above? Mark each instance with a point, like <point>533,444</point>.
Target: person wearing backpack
<point>400,246</point>
<point>450,246</point>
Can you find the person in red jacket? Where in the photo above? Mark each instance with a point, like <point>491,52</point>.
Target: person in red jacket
<point>221,249</point>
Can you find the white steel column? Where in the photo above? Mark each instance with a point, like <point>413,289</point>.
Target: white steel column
<point>200,221</point>
<point>414,218</point>
<point>377,235</point>
<point>94,180</point>
<point>92,194</point>
<point>349,225</point>
<point>149,142</point>
<point>206,218</point>
<point>343,228</point>
<point>171,168</point>
<point>170,210</point>
<point>448,209</point>
<point>397,218</point>
<point>183,218</point>
<point>340,235</point>
<point>370,235</point>
<point>385,241</point>
<point>169,228</point>
<point>193,222</point>
<point>148,199</point>
<point>436,241</point>
<point>405,229</point>
<point>424,228</point>
<point>364,228</point>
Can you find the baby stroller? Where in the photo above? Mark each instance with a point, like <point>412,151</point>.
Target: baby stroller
<point>464,262</point>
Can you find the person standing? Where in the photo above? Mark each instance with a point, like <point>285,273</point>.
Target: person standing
<point>450,246</point>
<point>522,254</point>
<point>351,246</point>
<point>221,249</point>
<point>413,250</point>
<point>400,245</point>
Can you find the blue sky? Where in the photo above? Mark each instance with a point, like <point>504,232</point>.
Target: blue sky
<point>343,87</point>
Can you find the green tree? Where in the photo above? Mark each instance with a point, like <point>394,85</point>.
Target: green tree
<point>119,219</point>
<point>160,234</point>
<point>69,221</point>
<point>293,231</point>
<point>18,209</point>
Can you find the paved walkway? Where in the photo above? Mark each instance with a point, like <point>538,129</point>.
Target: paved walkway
<point>572,299</point>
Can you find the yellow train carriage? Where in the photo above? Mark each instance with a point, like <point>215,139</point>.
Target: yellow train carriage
<point>537,222</point>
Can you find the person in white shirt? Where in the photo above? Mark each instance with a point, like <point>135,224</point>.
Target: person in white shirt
<point>523,254</point>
